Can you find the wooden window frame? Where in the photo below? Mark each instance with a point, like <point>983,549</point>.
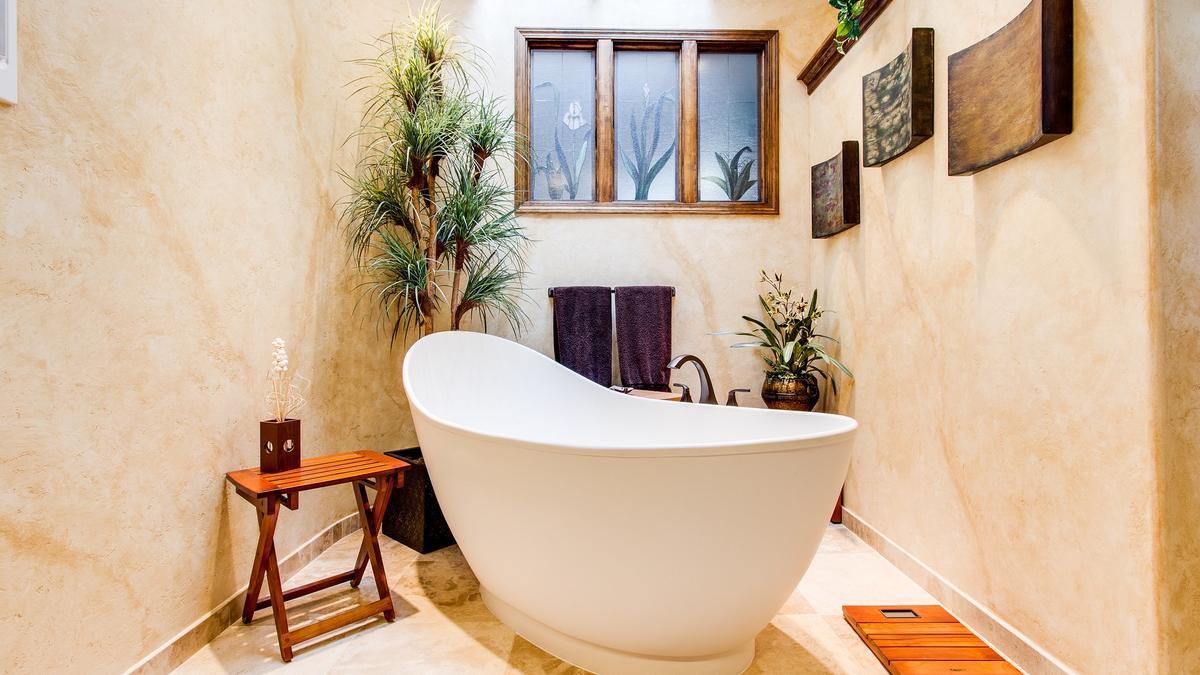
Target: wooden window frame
<point>605,43</point>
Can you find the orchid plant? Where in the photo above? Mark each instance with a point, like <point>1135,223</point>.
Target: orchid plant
<point>787,334</point>
<point>286,396</point>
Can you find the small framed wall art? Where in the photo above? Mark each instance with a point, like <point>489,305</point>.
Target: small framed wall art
<point>8,51</point>
<point>835,205</point>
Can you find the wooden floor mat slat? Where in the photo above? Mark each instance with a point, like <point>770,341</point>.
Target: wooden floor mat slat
<point>940,654</point>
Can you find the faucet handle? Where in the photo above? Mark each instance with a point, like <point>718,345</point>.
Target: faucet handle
<point>686,397</point>
<point>732,400</point>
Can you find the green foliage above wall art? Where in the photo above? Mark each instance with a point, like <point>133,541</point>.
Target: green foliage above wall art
<point>849,28</point>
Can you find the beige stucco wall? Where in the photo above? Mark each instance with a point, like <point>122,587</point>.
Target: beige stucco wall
<point>1177,185</point>
<point>998,326</point>
<point>166,209</point>
<point>712,261</point>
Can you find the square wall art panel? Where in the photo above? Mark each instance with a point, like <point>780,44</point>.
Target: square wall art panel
<point>1012,92</point>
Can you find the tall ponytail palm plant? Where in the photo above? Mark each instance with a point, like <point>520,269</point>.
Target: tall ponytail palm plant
<point>430,219</point>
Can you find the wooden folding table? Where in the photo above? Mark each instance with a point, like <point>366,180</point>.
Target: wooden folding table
<point>267,491</point>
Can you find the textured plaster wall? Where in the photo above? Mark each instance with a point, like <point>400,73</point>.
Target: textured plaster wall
<point>1177,184</point>
<point>712,261</point>
<point>167,195</point>
<point>999,328</point>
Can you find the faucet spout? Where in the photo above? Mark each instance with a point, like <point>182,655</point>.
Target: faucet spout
<point>706,391</point>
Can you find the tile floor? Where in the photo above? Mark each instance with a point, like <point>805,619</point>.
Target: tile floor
<point>442,625</point>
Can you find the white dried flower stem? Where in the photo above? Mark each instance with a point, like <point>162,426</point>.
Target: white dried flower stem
<point>285,397</point>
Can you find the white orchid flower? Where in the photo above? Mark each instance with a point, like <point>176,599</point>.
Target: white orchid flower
<point>574,117</point>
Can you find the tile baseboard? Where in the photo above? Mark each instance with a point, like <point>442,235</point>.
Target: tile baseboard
<point>178,649</point>
<point>1015,646</point>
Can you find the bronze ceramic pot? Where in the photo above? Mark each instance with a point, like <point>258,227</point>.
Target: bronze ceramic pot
<point>790,392</point>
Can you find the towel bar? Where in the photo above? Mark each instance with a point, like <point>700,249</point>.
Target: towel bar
<point>550,291</point>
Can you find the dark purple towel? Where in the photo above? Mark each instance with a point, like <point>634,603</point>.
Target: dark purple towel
<point>583,331</point>
<point>644,336</point>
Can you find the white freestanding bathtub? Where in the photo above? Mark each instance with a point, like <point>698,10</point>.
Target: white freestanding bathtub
<point>620,534</point>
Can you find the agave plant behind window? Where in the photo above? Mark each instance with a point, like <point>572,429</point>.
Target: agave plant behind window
<point>643,167</point>
<point>787,334</point>
<point>734,179</point>
<point>429,220</point>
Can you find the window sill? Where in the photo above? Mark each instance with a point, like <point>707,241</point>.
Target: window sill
<point>700,208</point>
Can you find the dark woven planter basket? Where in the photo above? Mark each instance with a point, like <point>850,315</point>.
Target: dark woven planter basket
<point>413,516</point>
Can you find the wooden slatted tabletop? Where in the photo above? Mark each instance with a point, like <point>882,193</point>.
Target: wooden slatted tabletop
<point>930,642</point>
<point>316,472</point>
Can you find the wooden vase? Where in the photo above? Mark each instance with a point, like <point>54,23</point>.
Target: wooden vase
<point>790,392</point>
<point>278,445</point>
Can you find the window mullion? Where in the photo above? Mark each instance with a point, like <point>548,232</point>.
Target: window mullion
<point>689,134</point>
<point>605,171</point>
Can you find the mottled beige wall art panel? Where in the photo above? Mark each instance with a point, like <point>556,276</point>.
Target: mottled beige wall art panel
<point>898,102</point>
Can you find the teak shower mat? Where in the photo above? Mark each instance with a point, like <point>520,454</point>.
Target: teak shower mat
<point>923,640</point>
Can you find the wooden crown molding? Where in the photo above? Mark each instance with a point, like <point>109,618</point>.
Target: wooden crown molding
<point>826,58</point>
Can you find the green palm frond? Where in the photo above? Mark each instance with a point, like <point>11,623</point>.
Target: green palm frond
<point>378,200</point>
<point>488,131</point>
<point>477,213</point>
<point>493,291</point>
<point>397,281</point>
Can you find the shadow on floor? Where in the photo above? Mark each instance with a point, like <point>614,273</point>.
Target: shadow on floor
<point>447,581</point>
<point>442,626</point>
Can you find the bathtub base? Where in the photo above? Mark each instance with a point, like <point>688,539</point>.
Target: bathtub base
<point>607,661</point>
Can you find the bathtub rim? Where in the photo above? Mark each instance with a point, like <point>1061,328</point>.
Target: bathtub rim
<point>847,428</point>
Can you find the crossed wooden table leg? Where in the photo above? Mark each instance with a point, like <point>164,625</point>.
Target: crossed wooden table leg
<point>266,565</point>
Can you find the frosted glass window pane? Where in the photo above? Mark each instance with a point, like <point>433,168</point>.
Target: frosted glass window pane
<point>728,85</point>
<point>562,133</point>
<point>647,98</point>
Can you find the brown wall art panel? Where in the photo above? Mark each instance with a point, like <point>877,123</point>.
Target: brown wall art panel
<point>898,102</point>
<point>835,193</point>
<point>1012,92</point>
